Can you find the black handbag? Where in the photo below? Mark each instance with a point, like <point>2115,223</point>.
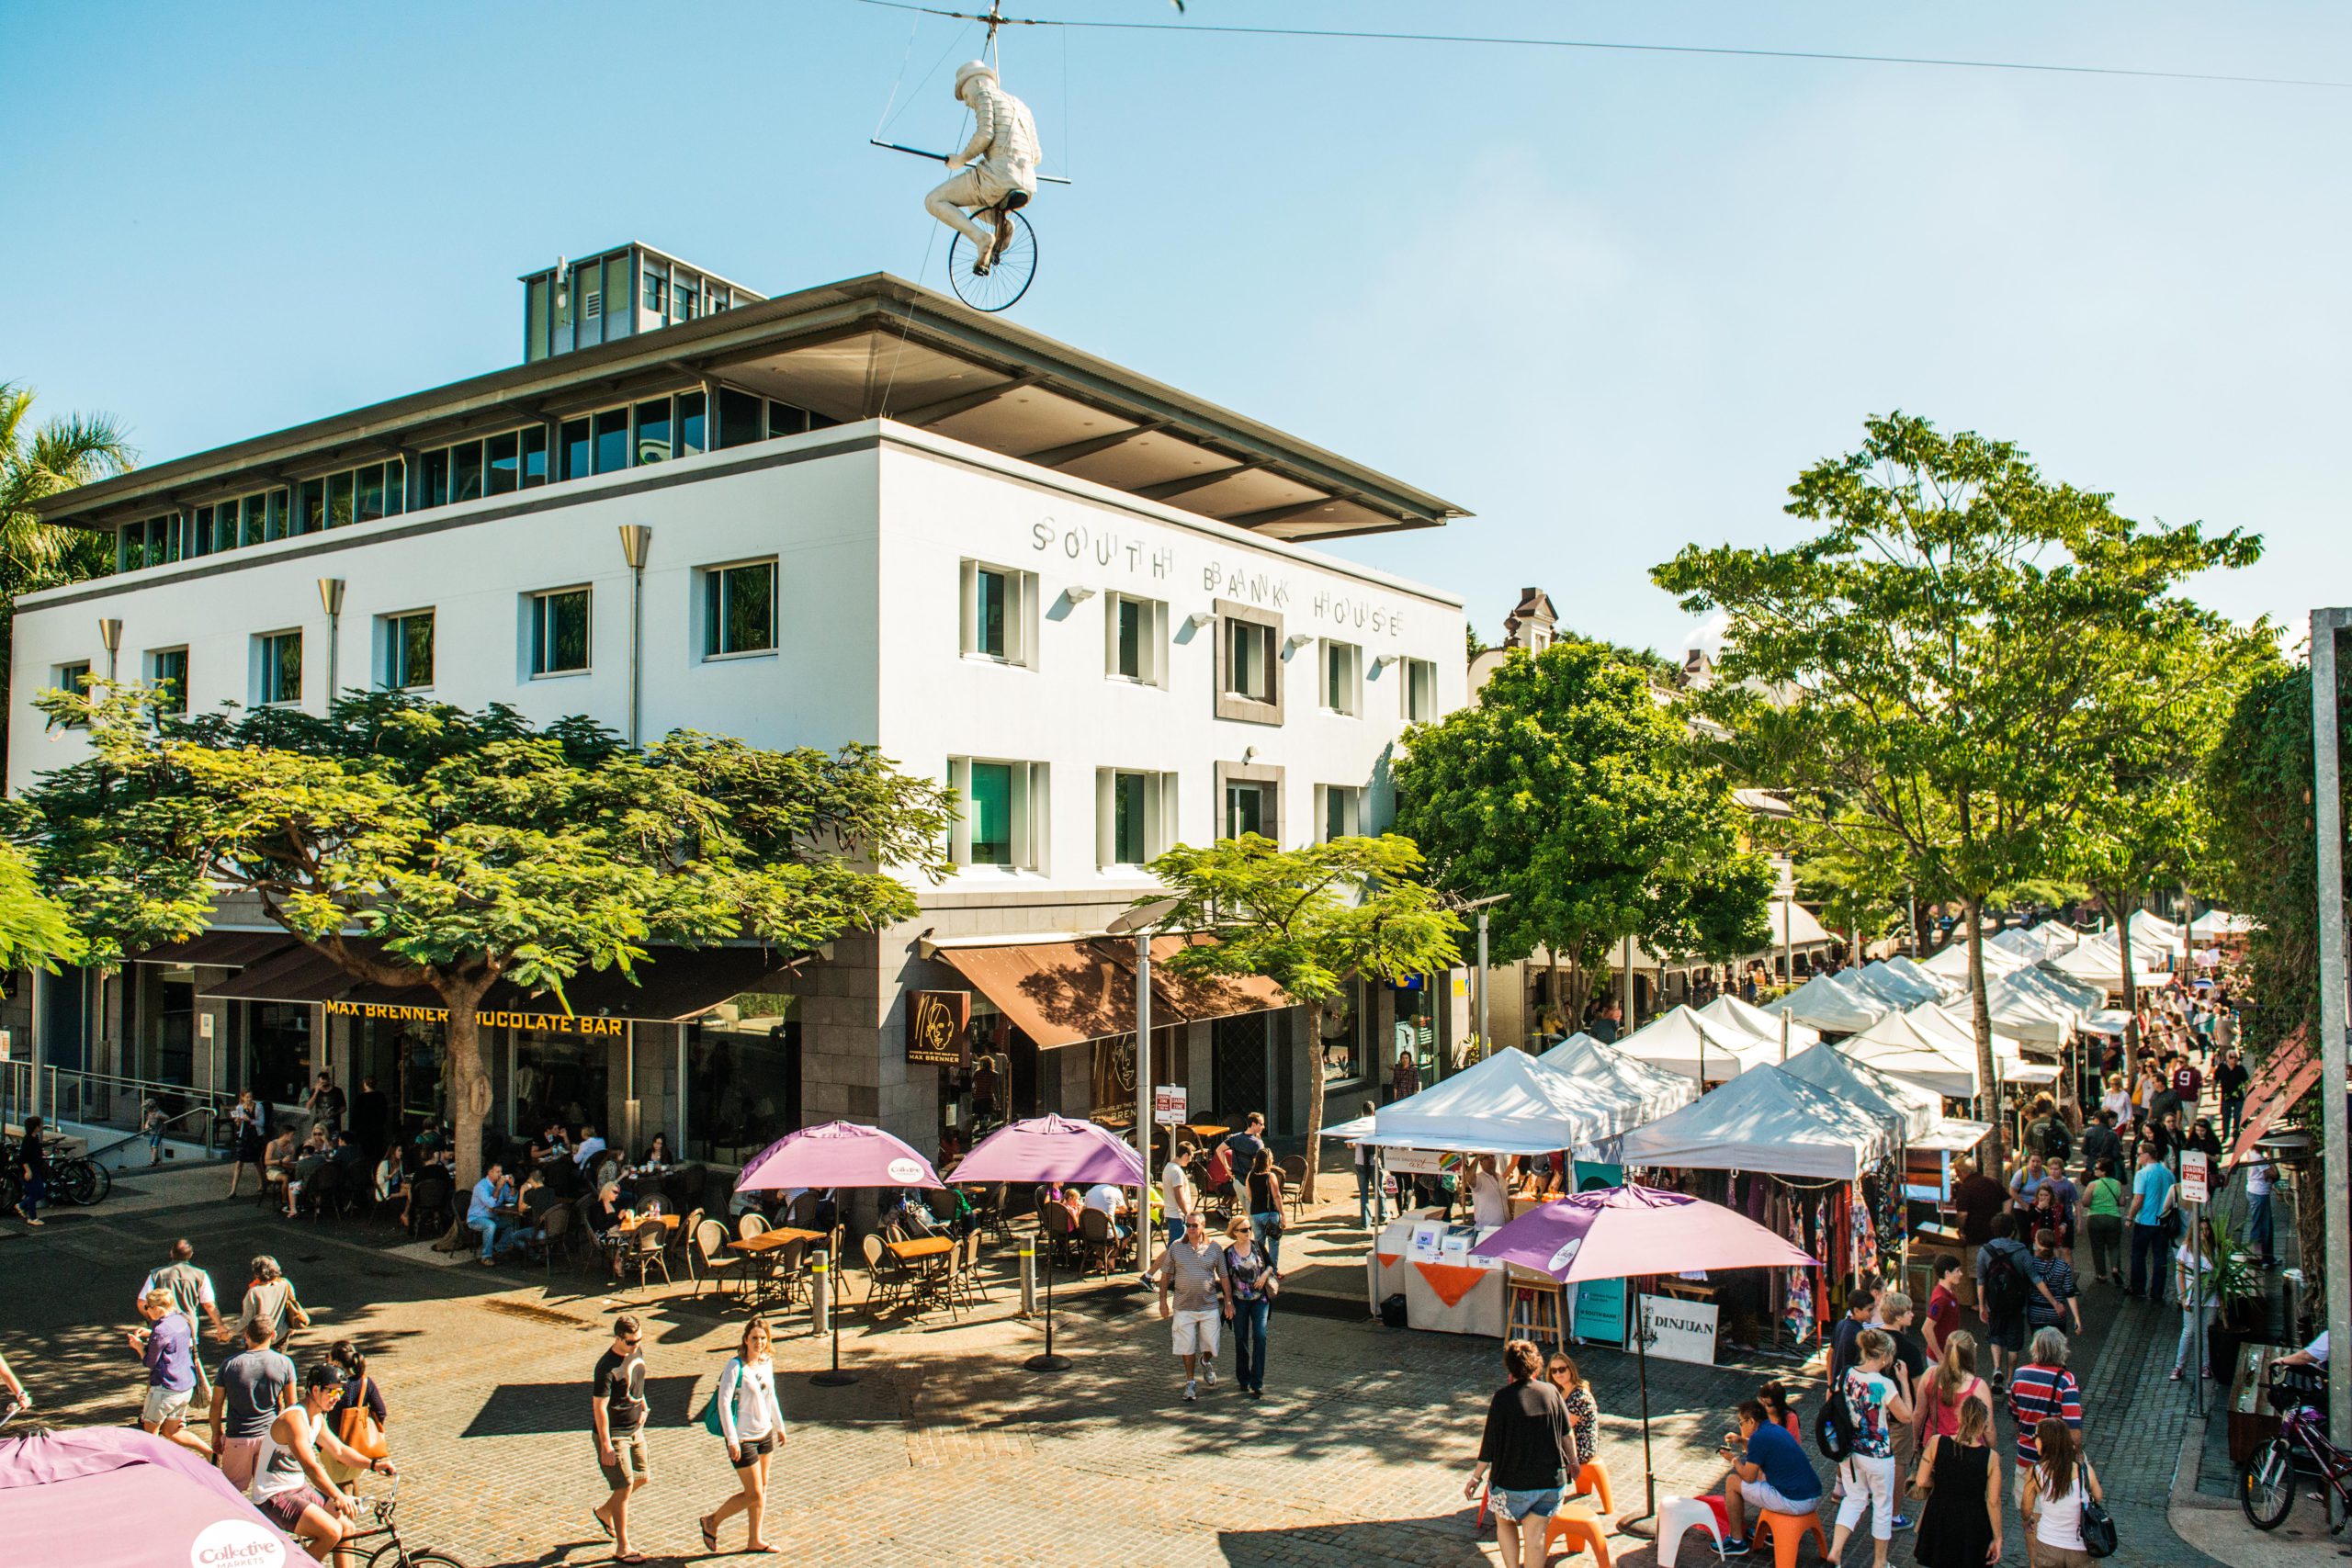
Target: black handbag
<point>2099,1530</point>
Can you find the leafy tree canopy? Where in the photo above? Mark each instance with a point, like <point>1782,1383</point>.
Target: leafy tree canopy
<point>37,462</point>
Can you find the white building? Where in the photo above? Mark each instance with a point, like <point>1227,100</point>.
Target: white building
<point>871,515</point>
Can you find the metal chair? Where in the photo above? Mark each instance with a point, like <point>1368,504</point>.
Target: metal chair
<point>1061,1235</point>
<point>972,1281</point>
<point>1294,1171</point>
<point>1099,1241</point>
<point>883,1279</point>
<point>789,1275</point>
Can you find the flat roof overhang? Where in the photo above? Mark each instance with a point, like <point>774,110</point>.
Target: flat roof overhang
<point>870,347</point>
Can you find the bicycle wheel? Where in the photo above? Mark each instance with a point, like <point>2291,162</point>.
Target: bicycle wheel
<point>71,1183</point>
<point>2266,1484</point>
<point>1005,281</point>
<point>101,1182</point>
<point>392,1555</point>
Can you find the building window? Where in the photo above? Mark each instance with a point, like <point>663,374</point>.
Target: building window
<point>311,506</point>
<point>1248,663</point>
<point>1244,809</point>
<point>279,673</point>
<point>576,447</point>
<point>1420,691</point>
<point>654,432</point>
<point>1136,632</point>
<point>1342,677</point>
<point>534,456</point>
<point>998,613</point>
<point>558,632</point>
<point>503,458</point>
<point>1249,800</point>
<point>168,672</point>
<point>1003,815</point>
<point>656,292</point>
<point>738,609</point>
<point>1134,817</point>
<point>74,679</point>
<point>408,651</point>
<point>612,441</point>
<point>1338,811</point>
<point>1345,1059</point>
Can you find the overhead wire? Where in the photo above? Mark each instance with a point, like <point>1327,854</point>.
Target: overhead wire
<point>1608,46</point>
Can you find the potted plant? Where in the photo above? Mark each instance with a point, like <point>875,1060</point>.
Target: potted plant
<point>2237,1300</point>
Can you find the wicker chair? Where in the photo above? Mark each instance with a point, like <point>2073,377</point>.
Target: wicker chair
<point>710,1247</point>
<point>648,1249</point>
<point>1294,1171</point>
<point>751,1225</point>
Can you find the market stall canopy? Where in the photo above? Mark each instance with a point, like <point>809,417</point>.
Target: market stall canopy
<point>2157,934</point>
<point>1643,1092</point>
<point>1507,1104</point>
<point>2047,939</point>
<point>2073,996</point>
<point>1733,1013</point>
<point>1903,1108</point>
<point>1909,1046</point>
<point>1679,1041</point>
<point>1764,1120</point>
<point>108,1497</point>
<point>2027,1014</point>
<point>2108,1021</point>
<point>1951,1026</point>
<point>1950,964</point>
<point>1893,987</point>
<point>1942,989</point>
<point>1066,993</point>
<point>1834,1008</point>
<point>1796,925</point>
<point>1954,1135</point>
<point>2100,962</point>
<point>2215,924</point>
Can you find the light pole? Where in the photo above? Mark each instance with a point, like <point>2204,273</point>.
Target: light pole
<point>330,600</point>
<point>1482,906</point>
<point>110,634</point>
<point>1140,922</point>
<point>637,539</point>
<point>2335,1167</point>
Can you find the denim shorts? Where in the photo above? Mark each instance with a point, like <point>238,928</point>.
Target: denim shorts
<point>1517,1505</point>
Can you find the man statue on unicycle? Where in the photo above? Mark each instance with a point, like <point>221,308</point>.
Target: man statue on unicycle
<point>997,170</point>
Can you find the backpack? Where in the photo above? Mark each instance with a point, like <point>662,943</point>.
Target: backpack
<point>1833,1429</point>
<point>2005,1288</point>
<point>2052,1141</point>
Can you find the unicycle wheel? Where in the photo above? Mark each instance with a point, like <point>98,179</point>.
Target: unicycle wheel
<point>1005,281</point>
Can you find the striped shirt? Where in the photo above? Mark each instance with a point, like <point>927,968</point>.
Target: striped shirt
<point>2036,1392</point>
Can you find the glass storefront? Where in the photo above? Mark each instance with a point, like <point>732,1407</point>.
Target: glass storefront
<point>279,1049</point>
<point>1343,1042</point>
<point>741,1077</point>
<point>1412,1038</point>
<point>556,1077</point>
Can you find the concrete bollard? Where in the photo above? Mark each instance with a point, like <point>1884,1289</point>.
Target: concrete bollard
<point>1028,1278</point>
<point>820,1293</point>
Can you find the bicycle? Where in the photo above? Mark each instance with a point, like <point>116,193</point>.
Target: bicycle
<point>2271,1476</point>
<point>395,1552</point>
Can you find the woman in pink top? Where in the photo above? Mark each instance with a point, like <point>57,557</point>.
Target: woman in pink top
<point>1952,1384</point>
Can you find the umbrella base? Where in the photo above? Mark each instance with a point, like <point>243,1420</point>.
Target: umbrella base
<point>1048,1362</point>
<point>1642,1524</point>
<point>834,1379</point>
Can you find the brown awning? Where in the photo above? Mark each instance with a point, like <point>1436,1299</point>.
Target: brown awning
<point>1065,993</point>
<point>232,950</point>
<point>2285,1079</point>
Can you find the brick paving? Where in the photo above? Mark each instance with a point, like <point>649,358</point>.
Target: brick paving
<point>947,1449</point>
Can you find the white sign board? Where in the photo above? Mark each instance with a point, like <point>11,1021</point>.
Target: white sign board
<point>4,1045</point>
<point>1421,1162</point>
<point>1680,1330</point>
<point>1167,1105</point>
<point>204,1025</point>
<point>2196,1176</point>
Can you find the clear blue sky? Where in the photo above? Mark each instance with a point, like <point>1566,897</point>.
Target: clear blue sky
<point>1610,302</point>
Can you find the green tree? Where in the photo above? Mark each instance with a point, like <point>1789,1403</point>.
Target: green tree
<point>35,464</point>
<point>1571,787</point>
<point>36,931</point>
<point>469,847</point>
<point>1924,673</point>
<point>1313,920</point>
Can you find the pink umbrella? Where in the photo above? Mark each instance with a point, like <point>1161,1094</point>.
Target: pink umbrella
<point>110,1498</point>
<point>1054,1148</point>
<point>838,1153</point>
<point>1616,1233</point>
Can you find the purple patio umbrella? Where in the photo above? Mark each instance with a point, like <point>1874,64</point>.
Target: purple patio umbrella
<point>1054,1148</point>
<point>111,1497</point>
<point>837,1154</point>
<point>1616,1232</point>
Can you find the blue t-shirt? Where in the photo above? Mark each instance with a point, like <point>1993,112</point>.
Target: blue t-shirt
<point>1786,1469</point>
<point>2153,1184</point>
<point>171,1354</point>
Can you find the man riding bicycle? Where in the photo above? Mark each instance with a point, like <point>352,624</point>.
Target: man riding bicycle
<point>997,170</point>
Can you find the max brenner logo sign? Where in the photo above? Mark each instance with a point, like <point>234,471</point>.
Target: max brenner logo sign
<point>1250,582</point>
<point>939,1028</point>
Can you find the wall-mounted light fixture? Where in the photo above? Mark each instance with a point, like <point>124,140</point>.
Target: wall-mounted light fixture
<point>330,600</point>
<point>637,543</point>
<point>1078,595</point>
<point>1199,618</point>
<point>110,634</point>
<point>1296,641</point>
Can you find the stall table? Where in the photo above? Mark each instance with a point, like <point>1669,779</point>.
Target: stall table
<point>1448,1293</point>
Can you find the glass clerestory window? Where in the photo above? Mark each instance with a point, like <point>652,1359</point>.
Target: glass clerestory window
<point>987,809</point>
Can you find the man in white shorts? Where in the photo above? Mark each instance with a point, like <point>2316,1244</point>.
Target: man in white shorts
<point>1192,1272</point>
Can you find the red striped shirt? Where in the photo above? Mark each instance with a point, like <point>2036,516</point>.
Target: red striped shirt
<point>2037,1392</point>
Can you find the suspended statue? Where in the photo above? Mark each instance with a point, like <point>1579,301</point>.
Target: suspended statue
<point>996,171</point>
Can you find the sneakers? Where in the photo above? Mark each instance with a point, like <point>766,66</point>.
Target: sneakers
<point>1208,1373</point>
<point>1901,1522</point>
<point>2176,1374</point>
<point>1737,1546</point>
<point>1191,1389</point>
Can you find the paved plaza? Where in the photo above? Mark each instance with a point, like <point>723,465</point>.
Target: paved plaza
<point>947,1449</point>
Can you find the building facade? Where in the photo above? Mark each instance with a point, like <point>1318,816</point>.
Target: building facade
<point>858,514</point>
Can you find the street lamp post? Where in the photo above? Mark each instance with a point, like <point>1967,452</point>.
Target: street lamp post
<point>330,600</point>
<point>1140,922</point>
<point>2336,1168</point>
<point>637,539</point>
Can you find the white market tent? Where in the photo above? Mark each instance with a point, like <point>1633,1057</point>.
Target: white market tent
<point>1904,1109</point>
<point>1507,1104</point>
<point>1903,965</point>
<point>1929,1048</point>
<point>2100,963</point>
<point>1733,1013</point>
<point>1793,923</point>
<point>2215,924</point>
<point>1950,1026</point>
<point>2045,940</point>
<point>2027,1014</point>
<point>2156,934</point>
<point>1768,1120</point>
<point>1950,964</point>
<point>1679,1041</point>
<point>1891,985</point>
<point>1832,1008</point>
<point>1604,1071</point>
<point>2069,992</point>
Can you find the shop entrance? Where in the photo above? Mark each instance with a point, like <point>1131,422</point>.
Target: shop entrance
<point>1237,1065</point>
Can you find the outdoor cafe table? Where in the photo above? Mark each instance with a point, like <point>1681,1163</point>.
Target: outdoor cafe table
<point>761,1249</point>
<point>928,1253</point>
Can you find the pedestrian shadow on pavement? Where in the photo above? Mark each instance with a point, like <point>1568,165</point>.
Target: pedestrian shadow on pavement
<point>1440,1540</point>
<point>541,1409</point>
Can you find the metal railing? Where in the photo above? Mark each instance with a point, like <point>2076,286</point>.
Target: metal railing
<point>103,1100</point>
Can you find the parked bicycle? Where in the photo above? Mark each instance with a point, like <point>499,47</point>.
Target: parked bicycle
<point>2281,1467</point>
<point>73,1179</point>
<point>395,1552</point>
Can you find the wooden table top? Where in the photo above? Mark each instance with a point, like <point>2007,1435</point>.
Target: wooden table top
<point>1206,1128</point>
<point>667,1222</point>
<point>921,1247</point>
<point>775,1236</point>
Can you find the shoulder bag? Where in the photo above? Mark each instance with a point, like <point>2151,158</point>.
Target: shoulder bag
<point>710,1422</point>
<point>2098,1527</point>
<point>360,1433</point>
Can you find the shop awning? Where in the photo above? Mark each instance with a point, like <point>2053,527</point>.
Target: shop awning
<point>1064,993</point>
<point>1952,1135</point>
<point>232,950</point>
<point>672,985</point>
<point>2285,1079</point>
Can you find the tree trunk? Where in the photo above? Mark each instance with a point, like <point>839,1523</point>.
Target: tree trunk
<point>1980,1008</point>
<point>469,1080</point>
<point>1551,987</point>
<point>1315,1015</point>
<point>2114,903</point>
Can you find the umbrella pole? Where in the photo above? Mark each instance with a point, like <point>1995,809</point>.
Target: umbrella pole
<point>836,1378</point>
<point>1048,1361</point>
<point>1645,1523</point>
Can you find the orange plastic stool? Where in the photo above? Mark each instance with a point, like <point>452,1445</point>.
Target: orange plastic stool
<point>1787,1532</point>
<point>1594,1478</point>
<point>1577,1528</point>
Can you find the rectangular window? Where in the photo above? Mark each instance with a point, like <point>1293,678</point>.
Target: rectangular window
<point>657,292</point>
<point>342,493</point>
<point>201,541</point>
<point>558,631</point>
<point>1338,811</point>
<point>277,525</point>
<point>1250,661</point>
<point>1136,633</point>
<point>654,432</point>
<point>408,650</point>
<point>689,299</point>
<point>279,678</point>
<point>131,546</point>
<point>1135,820</point>
<point>1420,691</point>
<point>1342,677</point>
<point>163,540</point>
<point>256,520</point>
<point>534,456</point>
<point>311,508</point>
<point>617,289</point>
<point>1244,809</point>
<point>502,456</point>
<point>691,406</point>
<point>612,441</point>
<point>786,420</point>
<point>465,471</point>
<point>168,672</point>
<point>739,419</point>
<point>535,320</point>
<point>436,477</point>
<point>575,449</point>
<point>998,613</point>
<point>1003,813</point>
<point>73,679</point>
<point>738,609</point>
<point>370,503</point>
<point>396,487</point>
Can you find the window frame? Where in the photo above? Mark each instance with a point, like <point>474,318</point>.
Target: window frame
<point>152,660</point>
<point>1028,811</point>
<point>1151,640</point>
<point>1417,671</point>
<point>268,665</point>
<point>1156,808</point>
<point>1351,799</point>
<point>1269,782</point>
<point>535,639</point>
<point>1244,706</point>
<point>395,658</point>
<point>1340,664</point>
<point>1020,614</point>
<point>713,607</point>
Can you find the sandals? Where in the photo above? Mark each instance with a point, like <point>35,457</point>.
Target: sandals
<point>601,1524</point>
<point>709,1536</point>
